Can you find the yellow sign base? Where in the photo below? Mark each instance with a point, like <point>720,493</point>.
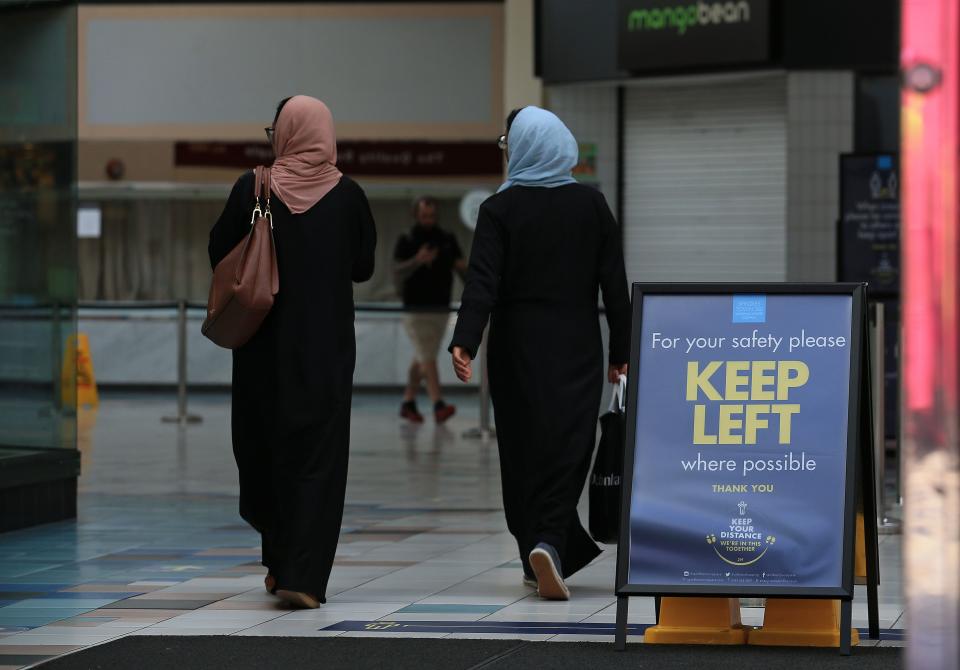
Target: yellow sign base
<point>698,621</point>
<point>800,623</point>
<point>860,553</point>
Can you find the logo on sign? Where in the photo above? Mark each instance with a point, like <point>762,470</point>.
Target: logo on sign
<point>742,542</point>
<point>883,189</point>
<point>684,17</point>
<point>383,625</point>
<point>749,309</point>
<point>604,480</point>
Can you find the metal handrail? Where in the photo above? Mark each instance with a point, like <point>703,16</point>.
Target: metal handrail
<point>183,416</point>
<point>183,307</point>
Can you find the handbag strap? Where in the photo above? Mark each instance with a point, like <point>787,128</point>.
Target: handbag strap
<point>266,194</point>
<point>257,183</point>
<point>266,173</point>
<point>261,177</point>
<point>618,399</point>
<point>261,187</point>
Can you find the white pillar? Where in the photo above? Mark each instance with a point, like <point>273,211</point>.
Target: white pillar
<point>520,84</point>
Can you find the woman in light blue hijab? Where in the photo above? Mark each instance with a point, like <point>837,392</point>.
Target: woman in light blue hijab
<point>544,247</point>
<point>542,151</point>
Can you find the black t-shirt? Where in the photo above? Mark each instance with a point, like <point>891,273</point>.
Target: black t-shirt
<point>430,285</point>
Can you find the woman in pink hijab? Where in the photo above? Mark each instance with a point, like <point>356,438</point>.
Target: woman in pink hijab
<point>292,382</point>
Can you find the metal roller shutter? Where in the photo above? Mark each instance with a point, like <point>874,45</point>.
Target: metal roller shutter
<point>705,180</point>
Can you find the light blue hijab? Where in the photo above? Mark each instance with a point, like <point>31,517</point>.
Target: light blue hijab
<point>542,150</point>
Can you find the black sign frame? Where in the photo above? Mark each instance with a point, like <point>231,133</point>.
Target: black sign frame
<point>859,480</point>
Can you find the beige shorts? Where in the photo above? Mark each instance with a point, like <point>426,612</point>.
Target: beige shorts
<point>426,331</point>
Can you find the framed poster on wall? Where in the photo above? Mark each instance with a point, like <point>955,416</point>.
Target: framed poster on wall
<point>868,236</point>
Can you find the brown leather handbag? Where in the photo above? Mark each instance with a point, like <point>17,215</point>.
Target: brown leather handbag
<point>246,280</point>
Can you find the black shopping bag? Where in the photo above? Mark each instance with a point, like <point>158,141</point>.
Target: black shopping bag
<point>607,471</point>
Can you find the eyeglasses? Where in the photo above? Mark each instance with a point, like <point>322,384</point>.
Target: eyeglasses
<point>502,142</point>
<point>269,131</point>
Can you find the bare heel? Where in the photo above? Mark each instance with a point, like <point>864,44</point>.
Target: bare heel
<point>298,599</point>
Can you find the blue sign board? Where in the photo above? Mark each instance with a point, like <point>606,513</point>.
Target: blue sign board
<point>741,453</point>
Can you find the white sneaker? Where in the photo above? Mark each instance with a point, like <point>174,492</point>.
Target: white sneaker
<point>546,566</point>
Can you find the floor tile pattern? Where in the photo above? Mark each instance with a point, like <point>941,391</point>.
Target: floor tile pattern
<point>158,548</point>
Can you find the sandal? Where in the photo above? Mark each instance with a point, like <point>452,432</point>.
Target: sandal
<point>270,583</point>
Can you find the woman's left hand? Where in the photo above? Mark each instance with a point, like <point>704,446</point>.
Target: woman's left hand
<point>614,372</point>
<point>462,364</point>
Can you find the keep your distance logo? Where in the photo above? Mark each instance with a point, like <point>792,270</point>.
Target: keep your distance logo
<point>742,543</point>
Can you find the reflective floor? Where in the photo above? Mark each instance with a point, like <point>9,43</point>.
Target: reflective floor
<point>159,549</point>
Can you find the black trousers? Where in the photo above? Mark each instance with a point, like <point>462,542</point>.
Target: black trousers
<point>546,409</point>
<point>292,488</point>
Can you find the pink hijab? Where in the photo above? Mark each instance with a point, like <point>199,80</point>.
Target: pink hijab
<point>305,144</point>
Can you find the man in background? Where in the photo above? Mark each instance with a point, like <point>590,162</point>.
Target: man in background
<point>424,262</point>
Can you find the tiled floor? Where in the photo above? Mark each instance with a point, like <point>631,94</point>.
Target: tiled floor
<point>158,548</point>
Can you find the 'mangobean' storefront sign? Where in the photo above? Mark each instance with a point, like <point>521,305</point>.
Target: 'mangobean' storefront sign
<point>670,34</point>
<point>740,468</point>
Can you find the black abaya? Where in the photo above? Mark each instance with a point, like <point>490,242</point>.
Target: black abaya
<point>292,382</point>
<point>539,257</point>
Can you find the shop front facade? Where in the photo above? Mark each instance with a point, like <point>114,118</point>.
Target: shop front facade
<point>717,126</point>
